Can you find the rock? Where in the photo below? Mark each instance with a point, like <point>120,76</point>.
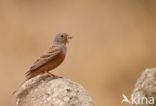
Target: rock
<point>45,90</point>
<point>146,88</point>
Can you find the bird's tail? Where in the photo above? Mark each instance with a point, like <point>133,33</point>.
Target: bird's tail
<point>29,75</point>
<point>14,92</point>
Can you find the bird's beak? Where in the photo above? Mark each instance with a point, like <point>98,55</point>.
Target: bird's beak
<point>69,37</point>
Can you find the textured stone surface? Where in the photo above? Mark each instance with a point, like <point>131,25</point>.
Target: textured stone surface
<point>44,90</point>
<point>146,86</point>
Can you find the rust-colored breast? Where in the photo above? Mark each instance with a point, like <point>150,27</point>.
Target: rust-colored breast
<point>52,64</point>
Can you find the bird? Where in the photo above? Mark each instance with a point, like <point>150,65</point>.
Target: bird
<point>51,59</point>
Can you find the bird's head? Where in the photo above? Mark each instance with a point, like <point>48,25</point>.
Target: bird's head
<point>62,38</point>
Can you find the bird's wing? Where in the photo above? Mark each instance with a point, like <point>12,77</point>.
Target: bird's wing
<point>53,53</point>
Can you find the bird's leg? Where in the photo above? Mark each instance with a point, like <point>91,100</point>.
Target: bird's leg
<point>52,75</point>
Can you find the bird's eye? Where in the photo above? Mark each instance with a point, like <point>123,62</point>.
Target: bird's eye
<point>62,36</point>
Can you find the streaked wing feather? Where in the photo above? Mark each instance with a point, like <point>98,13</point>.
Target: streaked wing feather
<point>52,54</point>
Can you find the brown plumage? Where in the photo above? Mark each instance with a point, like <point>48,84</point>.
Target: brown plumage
<point>50,60</point>
<point>53,58</point>
<point>46,62</point>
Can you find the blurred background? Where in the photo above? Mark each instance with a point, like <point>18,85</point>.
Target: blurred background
<point>114,41</point>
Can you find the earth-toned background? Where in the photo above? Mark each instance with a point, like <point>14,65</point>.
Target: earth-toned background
<point>114,41</point>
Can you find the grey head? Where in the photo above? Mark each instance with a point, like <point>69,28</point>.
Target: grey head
<point>62,38</point>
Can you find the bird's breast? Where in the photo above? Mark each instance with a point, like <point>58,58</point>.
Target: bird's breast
<point>56,62</point>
